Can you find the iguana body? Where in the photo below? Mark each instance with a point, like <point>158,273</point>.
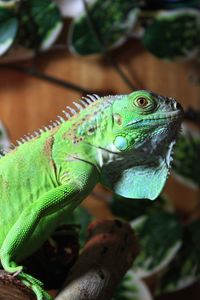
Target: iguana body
<point>122,141</point>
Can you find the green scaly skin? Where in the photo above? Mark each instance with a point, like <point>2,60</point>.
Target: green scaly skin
<point>122,141</point>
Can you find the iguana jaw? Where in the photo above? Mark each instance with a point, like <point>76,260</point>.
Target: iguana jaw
<point>158,118</point>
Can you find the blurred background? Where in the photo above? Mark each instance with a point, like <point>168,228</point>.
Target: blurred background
<point>54,52</point>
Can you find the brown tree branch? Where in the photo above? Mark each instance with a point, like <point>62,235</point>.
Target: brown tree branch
<point>12,289</point>
<point>106,257</point>
<point>31,71</point>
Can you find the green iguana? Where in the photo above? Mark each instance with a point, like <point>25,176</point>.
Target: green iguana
<point>124,142</point>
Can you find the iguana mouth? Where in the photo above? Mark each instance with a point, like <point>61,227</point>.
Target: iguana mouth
<point>170,116</point>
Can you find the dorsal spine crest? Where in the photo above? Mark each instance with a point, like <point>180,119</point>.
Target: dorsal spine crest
<point>91,97</point>
<point>72,111</point>
<point>84,102</point>
<point>78,106</point>
<point>36,133</point>
<point>67,115</point>
<point>46,128</point>
<point>87,100</point>
<point>61,119</point>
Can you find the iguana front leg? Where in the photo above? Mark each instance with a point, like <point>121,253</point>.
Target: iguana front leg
<point>68,194</point>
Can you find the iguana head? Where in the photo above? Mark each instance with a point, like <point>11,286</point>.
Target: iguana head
<point>133,136</point>
<point>139,144</point>
<point>144,119</point>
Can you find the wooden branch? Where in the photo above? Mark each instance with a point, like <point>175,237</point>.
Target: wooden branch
<point>31,71</point>
<point>12,289</point>
<point>106,257</point>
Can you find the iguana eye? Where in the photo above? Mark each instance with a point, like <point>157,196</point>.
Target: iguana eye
<point>141,102</point>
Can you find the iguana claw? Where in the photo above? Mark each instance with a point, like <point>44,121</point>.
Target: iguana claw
<point>35,285</point>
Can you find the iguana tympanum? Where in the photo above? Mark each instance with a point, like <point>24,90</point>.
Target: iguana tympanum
<point>124,142</point>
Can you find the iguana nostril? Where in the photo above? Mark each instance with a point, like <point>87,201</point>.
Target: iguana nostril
<point>172,102</point>
<point>167,101</point>
<point>178,106</point>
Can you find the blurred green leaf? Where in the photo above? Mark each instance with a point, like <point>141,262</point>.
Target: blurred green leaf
<point>41,23</point>
<point>184,269</point>
<point>186,158</point>
<point>160,237</point>
<point>8,3</point>
<point>112,20</point>
<point>131,288</point>
<point>174,34</point>
<point>8,29</point>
